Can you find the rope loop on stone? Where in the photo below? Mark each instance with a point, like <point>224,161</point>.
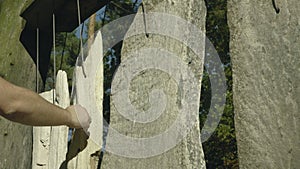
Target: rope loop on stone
<point>277,10</point>
<point>144,18</point>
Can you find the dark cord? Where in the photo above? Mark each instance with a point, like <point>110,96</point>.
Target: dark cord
<point>103,19</point>
<point>277,10</point>
<point>145,23</point>
<point>79,45</point>
<point>63,51</point>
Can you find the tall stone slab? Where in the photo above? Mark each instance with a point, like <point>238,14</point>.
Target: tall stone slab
<point>84,151</point>
<point>17,67</point>
<point>41,140</point>
<point>50,143</point>
<point>265,52</point>
<point>59,134</point>
<point>131,139</point>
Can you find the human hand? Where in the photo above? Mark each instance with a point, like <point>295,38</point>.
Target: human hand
<point>79,117</point>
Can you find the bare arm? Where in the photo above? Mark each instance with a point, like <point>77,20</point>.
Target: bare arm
<point>24,106</point>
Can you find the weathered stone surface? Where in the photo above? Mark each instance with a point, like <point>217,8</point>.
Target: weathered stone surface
<point>266,78</point>
<point>59,134</point>
<point>17,67</point>
<point>50,143</point>
<point>88,93</point>
<point>187,153</point>
<point>41,141</point>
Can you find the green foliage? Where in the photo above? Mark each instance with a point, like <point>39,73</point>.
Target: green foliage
<point>220,149</point>
<point>67,50</point>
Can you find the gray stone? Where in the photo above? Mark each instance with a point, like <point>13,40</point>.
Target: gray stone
<point>50,143</point>
<point>142,92</point>
<point>41,140</point>
<point>17,67</point>
<point>59,134</point>
<point>265,54</point>
<point>89,94</point>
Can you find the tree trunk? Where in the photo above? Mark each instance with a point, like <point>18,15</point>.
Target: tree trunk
<point>134,147</point>
<point>17,67</point>
<point>264,47</point>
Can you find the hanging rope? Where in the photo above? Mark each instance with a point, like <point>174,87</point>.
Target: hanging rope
<point>80,34</point>
<point>54,63</point>
<point>134,4</point>
<point>79,42</point>
<point>37,54</point>
<point>277,10</point>
<point>37,60</point>
<point>63,51</point>
<point>54,57</point>
<point>104,16</point>
<point>145,22</point>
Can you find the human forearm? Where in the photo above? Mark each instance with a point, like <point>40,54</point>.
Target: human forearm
<point>24,106</point>
<point>29,108</point>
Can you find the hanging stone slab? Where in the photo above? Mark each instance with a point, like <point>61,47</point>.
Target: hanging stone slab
<point>41,141</point>
<point>59,134</point>
<point>88,93</point>
<point>50,143</point>
<point>147,127</point>
<point>265,52</point>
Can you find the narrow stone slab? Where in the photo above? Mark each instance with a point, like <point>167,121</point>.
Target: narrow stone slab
<point>59,134</point>
<point>89,93</point>
<point>41,141</point>
<point>265,52</point>
<point>50,143</point>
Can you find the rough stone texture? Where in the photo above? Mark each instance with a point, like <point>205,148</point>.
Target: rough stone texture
<point>266,82</point>
<point>59,134</point>
<point>89,94</point>
<point>14,57</point>
<point>187,154</point>
<point>17,67</point>
<point>41,141</point>
<point>50,143</point>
